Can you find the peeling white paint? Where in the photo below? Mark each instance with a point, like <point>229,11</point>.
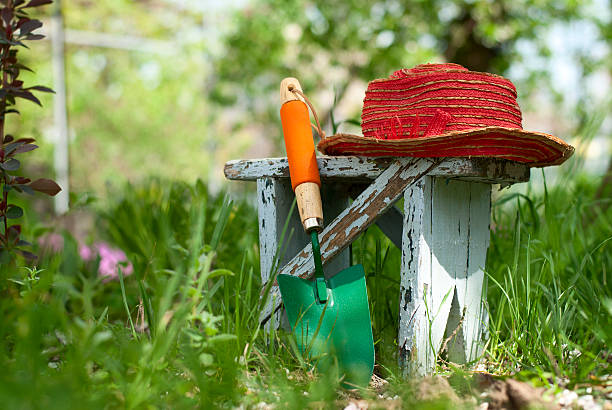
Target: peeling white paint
<point>360,168</point>
<point>356,225</point>
<point>445,242</point>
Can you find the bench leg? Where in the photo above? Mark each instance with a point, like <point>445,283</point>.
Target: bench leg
<point>444,245</point>
<point>269,234</point>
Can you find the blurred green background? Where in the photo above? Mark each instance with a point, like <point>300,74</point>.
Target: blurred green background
<point>176,88</point>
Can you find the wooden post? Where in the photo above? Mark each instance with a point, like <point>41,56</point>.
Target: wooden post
<point>445,241</point>
<point>60,117</point>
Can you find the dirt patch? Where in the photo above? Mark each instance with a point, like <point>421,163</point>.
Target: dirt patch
<point>510,394</point>
<point>434,388</point>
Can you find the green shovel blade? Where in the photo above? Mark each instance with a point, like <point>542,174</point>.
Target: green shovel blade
<point>338,329</point>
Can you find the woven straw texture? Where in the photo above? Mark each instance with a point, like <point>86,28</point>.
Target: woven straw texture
<point>444,110</point>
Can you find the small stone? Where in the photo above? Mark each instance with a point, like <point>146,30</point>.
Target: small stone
<point>567,398</point>
<point>588,403</point>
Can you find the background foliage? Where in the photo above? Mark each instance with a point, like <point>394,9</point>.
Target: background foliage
<point>149,118</point>
<point>186,86</point>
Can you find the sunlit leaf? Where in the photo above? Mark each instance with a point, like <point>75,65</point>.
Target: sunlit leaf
<point>41,88</point>
<point>26,148</point>
<point>36,3</point>
<point>29,26</point>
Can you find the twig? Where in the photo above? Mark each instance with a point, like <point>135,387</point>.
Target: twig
<point>452,335</point>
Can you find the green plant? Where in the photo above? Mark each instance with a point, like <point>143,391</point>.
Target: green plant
<point>549,275</point>
<point>17,27</point>
<point>194,302</point>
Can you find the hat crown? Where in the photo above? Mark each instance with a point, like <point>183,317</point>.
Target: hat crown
<point>425,68</point>
<point>432,99</point>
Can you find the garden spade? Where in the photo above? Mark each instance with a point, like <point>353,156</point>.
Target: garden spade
<point>330,317</point>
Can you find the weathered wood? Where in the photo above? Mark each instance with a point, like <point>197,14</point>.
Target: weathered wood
<point>449,247</point>
<point>365,169</point>
<point>476,321</point>
<point>344,229</point>
<point>390,222</point>
<point>416,355</point>
<point>446,235</point>
<point>335,200</point>
<point>269,231</point>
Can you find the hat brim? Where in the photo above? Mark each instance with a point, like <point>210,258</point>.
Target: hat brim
<point>532,148</point>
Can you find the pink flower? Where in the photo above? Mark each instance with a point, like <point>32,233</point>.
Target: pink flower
<point>86,253</point>
<point>111,260</point>
<point>53,242</point>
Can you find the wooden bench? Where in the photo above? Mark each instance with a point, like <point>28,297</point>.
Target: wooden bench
<point>443,233</point>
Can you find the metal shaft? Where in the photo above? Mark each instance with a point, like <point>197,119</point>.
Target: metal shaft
<point>320,286</point>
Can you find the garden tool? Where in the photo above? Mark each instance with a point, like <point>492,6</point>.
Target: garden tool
<point>330,317</point>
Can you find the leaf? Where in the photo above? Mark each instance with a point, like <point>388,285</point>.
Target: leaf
<point>219,272</point>
<point>206,359</point>
<point>14,212</point>
<point>29,26</point>
<point>222,338</point>
<point>46,186</point>
<point>26,148</point>
<point>41,88</point>
<point>16,281</point>
<point>27,189</point>
<point>34,37</point>
<point>26,254</point>
<point>27,96</point>
<point>18,43</point>
<point>607,302</point>
<point>22,67</point>
<point>7,15</point>
<point>14,231</point>
<point>26,140</point>
<point>10,165</point>
<point>12,147</point>
<point>36,3</point>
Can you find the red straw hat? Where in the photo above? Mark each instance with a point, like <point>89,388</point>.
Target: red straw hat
<point>445,110</point>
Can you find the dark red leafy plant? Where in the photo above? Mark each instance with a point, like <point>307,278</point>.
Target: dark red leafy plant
<point>17,27</point>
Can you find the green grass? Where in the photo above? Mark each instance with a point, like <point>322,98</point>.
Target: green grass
<point>68,338</point>
<point>549,284</point>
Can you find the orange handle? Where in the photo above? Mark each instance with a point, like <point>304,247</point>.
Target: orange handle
<point>303,167</point>
<point>299,143</point>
